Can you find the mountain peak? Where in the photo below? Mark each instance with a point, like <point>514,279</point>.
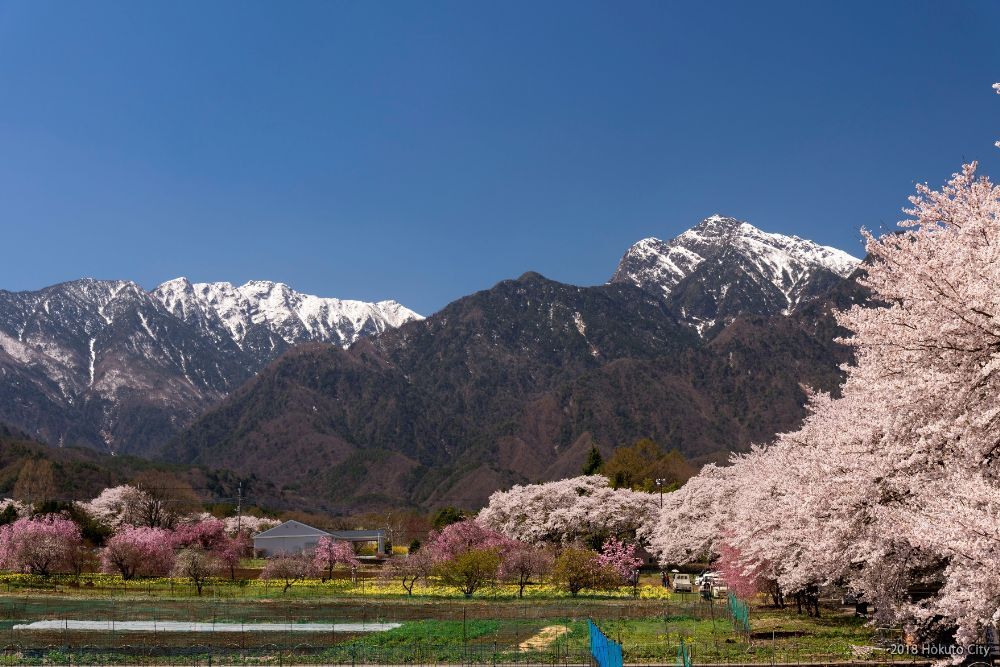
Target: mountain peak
<point>722,251</point>
<point>178,284</point>
<point>721,223</point>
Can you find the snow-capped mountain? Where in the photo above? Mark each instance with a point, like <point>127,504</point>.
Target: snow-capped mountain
<point>263,318</point>
<point>724,267</point>
<point>108,364</point>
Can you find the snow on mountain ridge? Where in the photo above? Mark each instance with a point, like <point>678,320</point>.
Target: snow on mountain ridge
<point>109,364</point>
<point>787,262</point>
<point>265,308</point>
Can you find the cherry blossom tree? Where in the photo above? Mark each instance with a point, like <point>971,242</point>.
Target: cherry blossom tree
<point>249,524</point>
<point>582,508</point>
<point>894,484</point>
<point>996,87</point>
<point>114,506</point>
<point>138,551</point>
<point>11,510</point>
<point>330,553</point>
<point>40,545</point>
<point>694,517</point>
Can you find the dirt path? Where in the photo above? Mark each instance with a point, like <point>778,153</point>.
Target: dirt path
<point>545,636</point>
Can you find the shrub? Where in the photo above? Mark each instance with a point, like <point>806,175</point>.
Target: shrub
<point>576,569</point>
<point>469,571</point>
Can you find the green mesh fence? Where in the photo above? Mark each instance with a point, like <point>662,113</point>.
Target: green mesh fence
<point>683,655</point>
<point>739,612</point>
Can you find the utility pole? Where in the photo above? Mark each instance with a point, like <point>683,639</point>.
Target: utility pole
<point>239,508</point>
<point>659,484</point>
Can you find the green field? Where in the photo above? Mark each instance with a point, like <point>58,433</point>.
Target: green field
<point>437,626</point>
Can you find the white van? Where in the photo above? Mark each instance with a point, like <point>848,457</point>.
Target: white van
<point>682,582</point>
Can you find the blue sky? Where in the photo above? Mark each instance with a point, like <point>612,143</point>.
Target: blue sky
<point>424,150</point>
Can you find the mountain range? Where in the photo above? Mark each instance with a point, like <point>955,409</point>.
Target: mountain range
<point>702,343</point>
<point>106,364</point>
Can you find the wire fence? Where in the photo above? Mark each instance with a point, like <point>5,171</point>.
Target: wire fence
<point>443,654</point>
<point>21,608</point>
<point>306,654</point>
<point>432,632</point>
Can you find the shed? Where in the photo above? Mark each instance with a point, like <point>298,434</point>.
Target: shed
<point>291,537</point>
<point>376,537</point>
<point>295,537</point>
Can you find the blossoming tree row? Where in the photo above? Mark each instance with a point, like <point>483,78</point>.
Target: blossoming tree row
<point>469,556</point>
<point>195,545</point>
<point>894,487</point>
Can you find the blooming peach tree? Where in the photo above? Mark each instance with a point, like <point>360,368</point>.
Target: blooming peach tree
<point>40,545</point>
<point>232,550</point>
<point>330,553</point>
<point>207,533</point>
<point>457,538</point>
<point>621,557</point>
<point>408,570</point>
<point>196,564</point>
<point>138,551</point>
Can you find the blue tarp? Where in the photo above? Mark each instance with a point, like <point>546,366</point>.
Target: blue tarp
<point>606,652</point>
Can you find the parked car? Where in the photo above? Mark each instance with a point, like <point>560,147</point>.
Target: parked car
<point>707,575</point>
<point>719,588</point>
<point>682,582</point>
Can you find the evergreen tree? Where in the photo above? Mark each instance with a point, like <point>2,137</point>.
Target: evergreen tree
<point>594,462</point>
<point>447,516</point>
<point>8,514</point>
